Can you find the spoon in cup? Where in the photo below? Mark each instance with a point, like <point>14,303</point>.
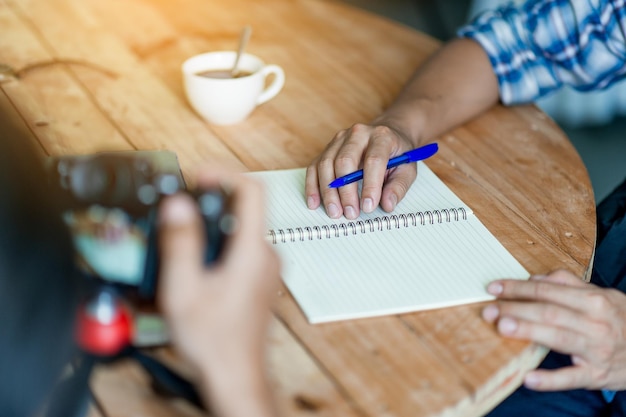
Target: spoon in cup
<point>243,42</point>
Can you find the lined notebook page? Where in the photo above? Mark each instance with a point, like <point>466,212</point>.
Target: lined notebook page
<point>286,205</point>
<point>439,261</point>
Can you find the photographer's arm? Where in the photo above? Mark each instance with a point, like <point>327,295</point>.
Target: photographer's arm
<point>218,315</point>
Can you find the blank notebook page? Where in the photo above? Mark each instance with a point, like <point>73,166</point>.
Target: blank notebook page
<point>431,252</point>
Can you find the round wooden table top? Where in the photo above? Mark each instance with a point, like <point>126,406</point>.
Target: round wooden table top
<point>88,75</point>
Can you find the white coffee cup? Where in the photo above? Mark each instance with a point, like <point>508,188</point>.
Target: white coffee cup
<point>224,101</point>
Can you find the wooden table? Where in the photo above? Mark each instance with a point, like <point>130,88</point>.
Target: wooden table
<point>92,75</point>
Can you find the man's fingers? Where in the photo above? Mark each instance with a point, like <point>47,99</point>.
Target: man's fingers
<point>360,147</point>
<point>551,325</point>
<point>540,290</point>
<point>546,313</point>
<point>181,241</point>
<point>562,277</point>
<point>247,245</point>
<point>312,187</point>
<point>375,161</point>
<point>348,160</point>
<point>556,338</point>
<point>567,378</point>
<point>326,174</point>
<point>398,183</point>
<point>246,193</point>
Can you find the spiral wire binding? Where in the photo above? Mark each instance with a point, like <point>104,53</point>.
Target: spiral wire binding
<point>392,221</point>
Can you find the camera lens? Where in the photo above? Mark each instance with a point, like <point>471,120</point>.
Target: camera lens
<point>211,204</point>
<point>107,181</point>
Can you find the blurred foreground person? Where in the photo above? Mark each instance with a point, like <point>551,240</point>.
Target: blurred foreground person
<point>217,315</point>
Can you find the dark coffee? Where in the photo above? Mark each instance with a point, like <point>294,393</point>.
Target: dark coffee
<point>223,74</point>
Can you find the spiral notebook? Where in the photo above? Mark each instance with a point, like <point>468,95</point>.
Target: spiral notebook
<point>431,252</point>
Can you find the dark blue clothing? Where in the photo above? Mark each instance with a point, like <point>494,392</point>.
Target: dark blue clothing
<point>609,270</point>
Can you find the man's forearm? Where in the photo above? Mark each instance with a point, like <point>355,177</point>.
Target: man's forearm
<point>453,86</point>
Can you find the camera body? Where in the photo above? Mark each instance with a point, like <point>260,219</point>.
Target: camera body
<point>110,202</point>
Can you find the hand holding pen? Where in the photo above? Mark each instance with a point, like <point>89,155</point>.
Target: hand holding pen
<point>373,148</point>
<point>414,155</point>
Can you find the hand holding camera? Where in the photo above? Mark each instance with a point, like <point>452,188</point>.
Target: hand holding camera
<point>217,314</point>
<point>110,202</point>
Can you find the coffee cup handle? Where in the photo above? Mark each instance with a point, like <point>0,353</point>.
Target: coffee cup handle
<point>276,85</point>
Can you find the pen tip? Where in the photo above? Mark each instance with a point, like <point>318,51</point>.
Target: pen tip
<point>335,183</point>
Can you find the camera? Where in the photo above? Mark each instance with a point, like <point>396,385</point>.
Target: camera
<point>110,202</point>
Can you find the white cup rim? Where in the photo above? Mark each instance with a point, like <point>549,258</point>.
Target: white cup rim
<point>226,60</point>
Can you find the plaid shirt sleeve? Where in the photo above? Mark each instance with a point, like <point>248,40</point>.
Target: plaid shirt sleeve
<point>541,45</point>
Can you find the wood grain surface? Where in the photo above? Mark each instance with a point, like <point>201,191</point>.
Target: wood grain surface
<point>91,75</point>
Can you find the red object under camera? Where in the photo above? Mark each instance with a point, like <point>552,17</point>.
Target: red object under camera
<point>104,334</point>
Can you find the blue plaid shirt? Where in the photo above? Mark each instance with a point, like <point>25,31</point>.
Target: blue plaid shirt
<point>541,45</point>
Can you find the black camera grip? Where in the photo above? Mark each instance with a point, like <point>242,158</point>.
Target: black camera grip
<point>218,223</point>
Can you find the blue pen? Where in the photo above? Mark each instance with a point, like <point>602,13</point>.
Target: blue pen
<point>411,156</point>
